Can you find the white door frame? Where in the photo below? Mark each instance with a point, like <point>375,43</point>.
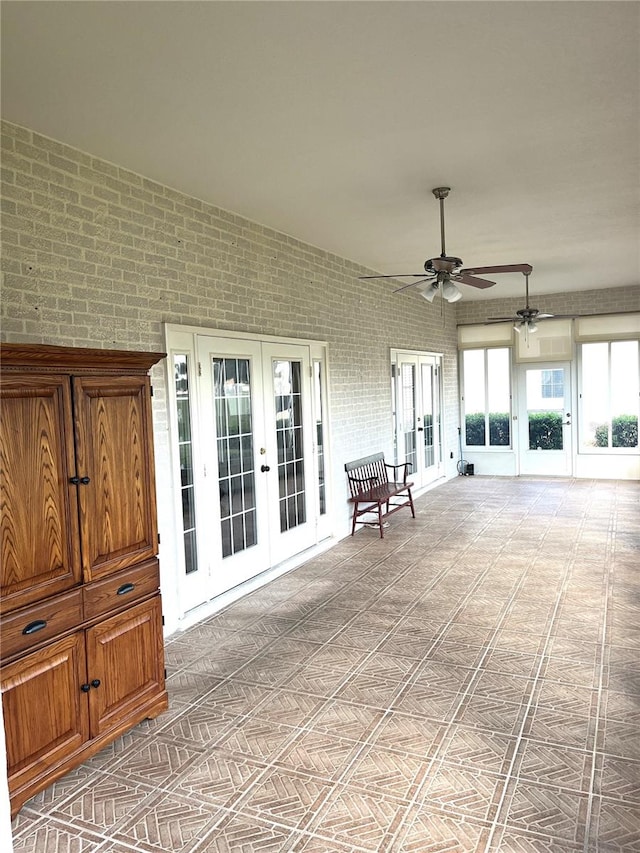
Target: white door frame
<point>549,463</point>
<point>200,586</point>
<point>423,474</point>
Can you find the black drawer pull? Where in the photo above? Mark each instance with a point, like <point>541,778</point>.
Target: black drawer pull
<point>32,627</point>
<point>125,588</point>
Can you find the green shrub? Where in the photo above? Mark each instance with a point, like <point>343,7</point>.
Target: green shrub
<point>474,434</point>
<point>499,432</point>
<point>624,432</point>
<point>475,429</point>
<point>545,431</point>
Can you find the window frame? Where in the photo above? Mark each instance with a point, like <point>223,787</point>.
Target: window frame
<point>492,448</point>
<point>590,449</point>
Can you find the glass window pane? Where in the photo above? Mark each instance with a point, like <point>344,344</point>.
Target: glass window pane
<point>499,396</point>
<point>594,393</point>
<point>473,377</point>
<point>185,453</point>
<point>625,386</point>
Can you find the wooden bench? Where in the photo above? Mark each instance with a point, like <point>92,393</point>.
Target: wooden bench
<point>372,490</point>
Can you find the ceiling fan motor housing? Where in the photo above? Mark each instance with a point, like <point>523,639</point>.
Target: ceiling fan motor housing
<point>445,263</point>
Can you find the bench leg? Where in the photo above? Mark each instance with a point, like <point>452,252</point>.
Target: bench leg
<point>413,512</point>
<point>355,515</point>
<point>380,520</point>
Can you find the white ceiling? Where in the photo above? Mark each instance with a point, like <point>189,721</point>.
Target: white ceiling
<point>332,121</point>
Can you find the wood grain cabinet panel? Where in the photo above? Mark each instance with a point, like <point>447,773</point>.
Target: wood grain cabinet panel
<point>115,452</point>
<point>40,544</point>
<point>124,657</point>
<point>81,618</point>
<point>46,715</point>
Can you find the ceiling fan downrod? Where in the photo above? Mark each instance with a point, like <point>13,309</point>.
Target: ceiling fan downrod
<point>441,193</point>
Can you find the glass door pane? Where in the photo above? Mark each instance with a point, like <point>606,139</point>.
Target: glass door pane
<point>408,442</point>
<point>289,439</point>
<point>428,425</point>
<point>545,408</point>
<point>235,445</point>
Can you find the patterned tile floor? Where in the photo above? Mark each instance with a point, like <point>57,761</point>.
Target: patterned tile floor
<point>469,683</point>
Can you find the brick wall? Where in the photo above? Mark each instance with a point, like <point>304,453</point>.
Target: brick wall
<point>578,302</point>
<point>94,255</point>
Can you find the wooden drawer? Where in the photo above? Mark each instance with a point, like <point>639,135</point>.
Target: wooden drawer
<point>121,590</point>
<point>30,627</point>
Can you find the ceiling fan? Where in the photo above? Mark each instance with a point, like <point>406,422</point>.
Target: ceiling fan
<point>442,273</point>
<point>525,317</point>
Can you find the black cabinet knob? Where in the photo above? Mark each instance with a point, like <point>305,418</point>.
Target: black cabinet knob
<point>85,481</point>
<point>74,480</point>
<point>95,682</point>
<point>85,688</point>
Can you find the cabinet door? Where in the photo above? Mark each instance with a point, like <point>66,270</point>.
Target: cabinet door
<point>114,447</point>
<point>125,654</point>
<point>45,712</point>
<point>39,520</point>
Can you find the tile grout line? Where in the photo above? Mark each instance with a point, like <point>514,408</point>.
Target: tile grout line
<point>519,737</point>
<point>604,642</point>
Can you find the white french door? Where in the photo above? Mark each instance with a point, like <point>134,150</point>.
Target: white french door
<point>545,433</point>
<point>418,415</point>
<point>257,455</point>
<point>249,471</point>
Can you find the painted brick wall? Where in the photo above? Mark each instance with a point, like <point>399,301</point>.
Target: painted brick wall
<point>580,302</point>
<point>94,255</point>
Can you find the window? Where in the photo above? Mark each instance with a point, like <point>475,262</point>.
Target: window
<point>185,449</point>
<point>609,395</point>
<point>552,382</point>
<point>486,379</point>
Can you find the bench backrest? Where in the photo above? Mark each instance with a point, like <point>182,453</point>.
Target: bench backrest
<point>361,473</point>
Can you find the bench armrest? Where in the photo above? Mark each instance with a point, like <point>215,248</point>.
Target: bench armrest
<point>363,479</point>
<point>406,472</point>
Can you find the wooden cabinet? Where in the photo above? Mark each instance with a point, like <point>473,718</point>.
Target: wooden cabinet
<point>80,624</point>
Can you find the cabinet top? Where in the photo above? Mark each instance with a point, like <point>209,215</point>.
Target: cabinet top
<point>80,359</point>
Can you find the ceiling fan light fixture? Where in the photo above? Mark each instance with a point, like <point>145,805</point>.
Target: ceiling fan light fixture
<point>430,292</point>
<point>450,292</point>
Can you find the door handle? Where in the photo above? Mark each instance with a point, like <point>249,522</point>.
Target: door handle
<point>420,429</point>
<point>264,468</point>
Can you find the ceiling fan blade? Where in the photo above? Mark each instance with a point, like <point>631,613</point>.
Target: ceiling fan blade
<point>523,268</point>
<point>411,284</point>
<point>545,316</point>
<point>400,275</point>
<point>465,278</point>
<point>503,319</point>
